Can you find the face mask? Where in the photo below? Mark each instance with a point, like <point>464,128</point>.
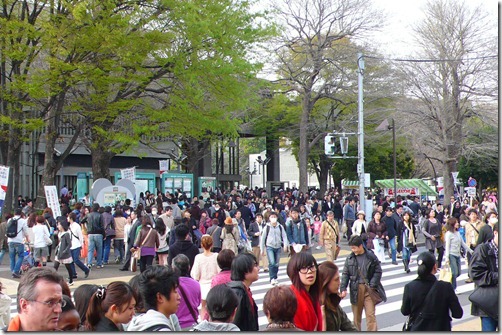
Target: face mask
<point>217,208</point>
<point>273,220</point>
<point>494,220</point>
<point>154,212</point>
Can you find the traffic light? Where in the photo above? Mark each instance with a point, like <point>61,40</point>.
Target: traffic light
<point>329,145</point>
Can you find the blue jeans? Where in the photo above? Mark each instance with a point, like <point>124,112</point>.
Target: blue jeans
<point>95,242</point>
<point>455,269</point>
<point>273,255</point>
<point>118,246</point>
<point>392,245</point>
<point>75,254</point>
<point>406,254</point>
<point>488,324</point>
<point>16,249</point>
<point>107,242</point>
<point>2,253</point>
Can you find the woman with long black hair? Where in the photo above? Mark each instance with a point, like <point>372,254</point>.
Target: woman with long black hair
<point>428,301</point>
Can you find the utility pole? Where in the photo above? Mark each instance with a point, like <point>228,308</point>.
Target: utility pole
<point>360,146</point>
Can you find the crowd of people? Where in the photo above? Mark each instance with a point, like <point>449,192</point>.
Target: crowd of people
<point>198,258</point>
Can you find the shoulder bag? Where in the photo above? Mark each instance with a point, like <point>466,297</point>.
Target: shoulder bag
<point>136,253</point>
<point>374,295</point>
<point>410,321</point>
<point>487,299</point>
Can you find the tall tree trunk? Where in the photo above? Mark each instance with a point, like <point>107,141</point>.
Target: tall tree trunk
<point>101,159</point>
<point>303,151</point>
<point>13,155</point>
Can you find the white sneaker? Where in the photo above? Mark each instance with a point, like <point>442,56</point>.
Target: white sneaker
<point>318,247</point>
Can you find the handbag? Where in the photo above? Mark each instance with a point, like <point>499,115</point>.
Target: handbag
<point>445,274</point>
<point>487,299</point>
<point>47,240</point>
<point>374,295</point>
<point>136,252</point>
<point>410,321</point>
<point>134,265</point>
<point>109,231</point>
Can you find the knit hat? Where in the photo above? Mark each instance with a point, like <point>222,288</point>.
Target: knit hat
<point>229,221</point>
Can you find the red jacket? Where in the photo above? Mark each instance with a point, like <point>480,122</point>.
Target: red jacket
<point>308,316</point>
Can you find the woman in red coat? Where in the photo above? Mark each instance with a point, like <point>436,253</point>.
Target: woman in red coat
<point>302,270</point>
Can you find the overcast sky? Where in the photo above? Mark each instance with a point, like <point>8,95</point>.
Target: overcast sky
<point>402,14</point>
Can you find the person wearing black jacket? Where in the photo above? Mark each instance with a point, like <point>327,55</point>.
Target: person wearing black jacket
<point>136,222</point>
<point>484,272</point>
<point>432,312</point>
<point>95,233</point>
<point>338,210</point>
<point>392,228</point>
<point>254,236</point>
<point>362,261</point>
<point>244,271</point>
<point>183,245</point>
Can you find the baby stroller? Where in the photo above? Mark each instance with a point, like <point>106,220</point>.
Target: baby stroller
<point>28,261</point>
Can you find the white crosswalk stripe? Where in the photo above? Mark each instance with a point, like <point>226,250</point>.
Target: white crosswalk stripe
<point>393,279</point>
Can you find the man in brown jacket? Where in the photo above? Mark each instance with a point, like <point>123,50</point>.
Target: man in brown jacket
<point>329,236</point>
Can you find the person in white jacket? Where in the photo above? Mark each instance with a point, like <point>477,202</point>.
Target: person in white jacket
<point>360,227</point>
<point>76,245</point>
<point>40,237</point>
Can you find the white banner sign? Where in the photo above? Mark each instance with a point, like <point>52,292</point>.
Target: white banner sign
<point>455,176</point>
<point>471,191</point>
<point>163,166</point>
<point>403,191</point>
<point>129,174</point>
<point>4,181</point>
<point>52,199</point>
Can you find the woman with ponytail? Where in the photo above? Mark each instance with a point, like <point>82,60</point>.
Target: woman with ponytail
<point>110,307</point>
<point>428,301</point>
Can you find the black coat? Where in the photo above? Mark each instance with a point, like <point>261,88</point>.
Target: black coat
<point>483,270</point>
<point>106,325</point>
<point>246,317</point>
<point>253,229</point>
<point>371,270</point>
<point>246,215</point>
<point>436,311</point>
<point>391,224</point>
<point>400,229</point>
<point>186,248</point>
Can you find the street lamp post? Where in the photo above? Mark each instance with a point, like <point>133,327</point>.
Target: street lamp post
<point>383,127</point>
<point>263,163</point>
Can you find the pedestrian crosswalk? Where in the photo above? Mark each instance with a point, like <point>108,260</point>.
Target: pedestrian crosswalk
<point>393,280</point>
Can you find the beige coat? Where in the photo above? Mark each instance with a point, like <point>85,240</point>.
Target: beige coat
<point>471,235</point>
<point>230,240</point>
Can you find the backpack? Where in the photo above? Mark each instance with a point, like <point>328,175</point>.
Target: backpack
<point>267,229</point>
<point>12,228</point>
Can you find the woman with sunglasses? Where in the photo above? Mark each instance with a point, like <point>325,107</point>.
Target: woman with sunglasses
<point>302,270</point>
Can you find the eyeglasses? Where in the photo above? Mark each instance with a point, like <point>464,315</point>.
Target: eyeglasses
<point>52,303</point>
<point>311,268</point>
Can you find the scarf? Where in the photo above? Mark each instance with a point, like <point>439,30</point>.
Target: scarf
<point>308,316</point>
<point>411,236</point>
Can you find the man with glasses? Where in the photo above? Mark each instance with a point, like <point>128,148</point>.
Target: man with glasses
<point>362,268</point>
<point>39,301</point>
